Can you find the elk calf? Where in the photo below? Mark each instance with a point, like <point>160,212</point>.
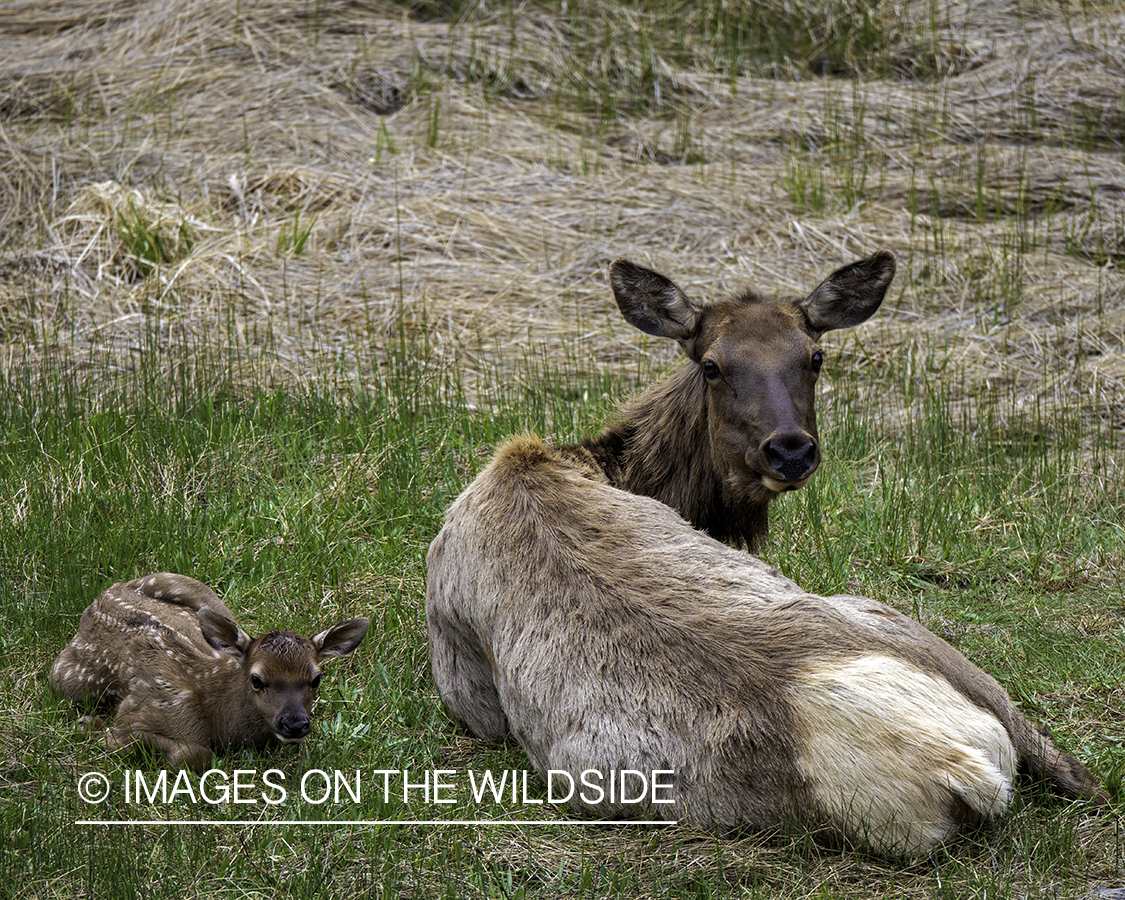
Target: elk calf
<point>603,632</point>
<point>186,678</point>
<point>735,426</point>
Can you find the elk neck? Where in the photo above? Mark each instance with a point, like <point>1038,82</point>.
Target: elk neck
<point>661,449</point>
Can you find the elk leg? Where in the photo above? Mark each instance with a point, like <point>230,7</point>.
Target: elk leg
<point>464,674</point>
<point>177,752</point>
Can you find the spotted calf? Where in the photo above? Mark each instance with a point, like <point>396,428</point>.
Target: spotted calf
<point>185,678</point>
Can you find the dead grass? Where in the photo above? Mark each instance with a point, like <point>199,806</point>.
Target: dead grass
<point>441,179</point>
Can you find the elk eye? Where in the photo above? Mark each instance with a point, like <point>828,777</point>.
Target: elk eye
<point>711,370</point>
<point>817,361</point>
<point>315,683</point>
<point>256,683</point>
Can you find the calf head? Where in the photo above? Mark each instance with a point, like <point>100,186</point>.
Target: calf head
<point>757,359</point>
<point>280,667</point>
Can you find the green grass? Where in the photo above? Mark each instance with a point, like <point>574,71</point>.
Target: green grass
<point>306,508</point>
<point>151,244</point>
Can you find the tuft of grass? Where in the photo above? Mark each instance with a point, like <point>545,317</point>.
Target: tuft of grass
<point>150,244</point>
<point>293,237</point>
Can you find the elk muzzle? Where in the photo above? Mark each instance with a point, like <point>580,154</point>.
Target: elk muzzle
<point>790,458</point>
<point>292,724</point>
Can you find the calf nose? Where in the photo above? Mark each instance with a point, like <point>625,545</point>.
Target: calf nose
<point>292,726</point>
<point>792,456</point>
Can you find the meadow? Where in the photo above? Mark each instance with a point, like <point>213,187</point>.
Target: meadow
<point>276,277</point>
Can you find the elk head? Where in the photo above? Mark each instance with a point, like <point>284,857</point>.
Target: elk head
<point>280,668</point>
<point>756,360</point>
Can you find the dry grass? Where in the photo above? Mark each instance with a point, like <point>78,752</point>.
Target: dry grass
<point>447,173</point>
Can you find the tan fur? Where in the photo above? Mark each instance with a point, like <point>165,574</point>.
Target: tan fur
<point>736,425</point>
<point>602,631</point>
<point>186,679</point>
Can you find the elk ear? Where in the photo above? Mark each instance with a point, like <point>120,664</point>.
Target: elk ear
<point>222,633</point>
<point>651,302</point>
<point>340,640</point>
<point>850,295</point>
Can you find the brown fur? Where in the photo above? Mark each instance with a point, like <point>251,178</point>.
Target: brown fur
<point>186,678</point>
<point>602,631</point>
<point>736,425</point>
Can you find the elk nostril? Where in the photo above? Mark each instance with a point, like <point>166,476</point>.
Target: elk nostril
<point>293,727</point>
<point>792,456</point>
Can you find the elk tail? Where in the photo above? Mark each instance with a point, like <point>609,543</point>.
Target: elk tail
<point>1042,760</point>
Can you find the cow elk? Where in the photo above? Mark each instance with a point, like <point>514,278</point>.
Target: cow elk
<point>736,425</point>
<point>604,633</point>
<point>187,680</point>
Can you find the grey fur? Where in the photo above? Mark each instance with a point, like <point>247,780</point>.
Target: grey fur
<point>601,631</point>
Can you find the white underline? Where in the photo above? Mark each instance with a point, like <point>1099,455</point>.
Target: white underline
<point>370,822</point>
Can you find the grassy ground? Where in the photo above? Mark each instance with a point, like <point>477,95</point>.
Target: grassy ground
<point>276,277</point>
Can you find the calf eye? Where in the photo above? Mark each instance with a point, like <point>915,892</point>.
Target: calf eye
<point>315,683</point>
<point>711,370</point>
<point>817,361</point>
<point>256,683</point>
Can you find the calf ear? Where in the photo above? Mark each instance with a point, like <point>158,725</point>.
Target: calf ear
<point>340,640</point>
<point>651,302</point>
<point>222,633</point>
<point>849,295</point>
